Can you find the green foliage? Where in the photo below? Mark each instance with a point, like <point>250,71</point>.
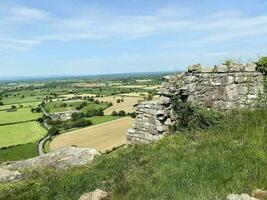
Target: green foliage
<point>262,65</point>
<point>194,117</point>
<point>53,131</point>
<point>225,159</point>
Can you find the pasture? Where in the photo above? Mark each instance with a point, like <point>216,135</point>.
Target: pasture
<point>20,115</point>
<point>61,106</point>
<point>101,137</point>
<point>18,152</point>
<point>20,133</point>
<point>20,105</point>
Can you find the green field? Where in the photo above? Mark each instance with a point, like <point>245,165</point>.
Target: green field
<point>24,97</point>
<point>102,119</point>
<point>20,133</point>
<point>23,114</point>
<point>208,164</point>
<point>24,105</point>
<point>56,106</point>
<point>19,152</point>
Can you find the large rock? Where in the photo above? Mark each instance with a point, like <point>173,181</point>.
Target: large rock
<point>95,195</point>
<point>63,158</point>
<point>240,197</point>
<point>7,175</point>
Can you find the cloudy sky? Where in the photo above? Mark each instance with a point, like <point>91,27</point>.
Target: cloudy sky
<point>78,37</point>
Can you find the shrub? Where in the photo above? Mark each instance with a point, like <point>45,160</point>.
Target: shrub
<point>194,117</point>
<point>1,103</point>
<point>114,113</point>
<point>121,113</point>
<point>262,65</point>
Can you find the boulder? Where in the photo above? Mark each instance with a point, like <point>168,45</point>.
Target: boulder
<point>95,195</point>
<point>194,68</point>
<point>63,158</point>
<point>240,197</point>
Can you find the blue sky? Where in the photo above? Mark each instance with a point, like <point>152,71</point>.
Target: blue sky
<point>67,37</point>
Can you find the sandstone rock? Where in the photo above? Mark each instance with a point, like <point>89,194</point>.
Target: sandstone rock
<point>7,175</point>
<point>221,68</point>
<point>250,67</point>
<point>207,70</point>
<point>164,100</point>
<point>260,194</point>
<point>194,68</point>
<point>240,197</point>
<point>63,158</point>
<point>95,195</point>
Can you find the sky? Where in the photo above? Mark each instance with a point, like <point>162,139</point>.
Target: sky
<point>84,37</point>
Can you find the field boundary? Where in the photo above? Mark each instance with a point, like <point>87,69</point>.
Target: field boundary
<point>19,122</point>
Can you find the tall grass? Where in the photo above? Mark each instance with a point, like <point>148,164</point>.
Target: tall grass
<point>207,164</point>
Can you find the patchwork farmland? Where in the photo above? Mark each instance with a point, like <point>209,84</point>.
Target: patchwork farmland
<point>101,137</point>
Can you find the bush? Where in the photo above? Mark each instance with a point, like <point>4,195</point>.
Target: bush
<point>114,113</point>
<point>122,113</point>
<point>194,117</point>
<point>78,115</point>
<point>262,65</point>
<point>1,103</point>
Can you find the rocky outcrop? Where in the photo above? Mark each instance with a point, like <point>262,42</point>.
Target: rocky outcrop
<point>61,159</point>
<point>95,195</point>
<point>221,87</point>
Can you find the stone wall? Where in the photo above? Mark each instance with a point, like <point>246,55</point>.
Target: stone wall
<point>221,87</point>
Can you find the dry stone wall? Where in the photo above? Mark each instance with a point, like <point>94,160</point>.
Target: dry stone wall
<point>221,87</point>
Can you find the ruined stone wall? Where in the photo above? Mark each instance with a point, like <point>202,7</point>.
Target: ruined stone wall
<point>220,87</point>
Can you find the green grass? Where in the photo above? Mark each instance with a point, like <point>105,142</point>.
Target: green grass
<point>19,152</point>
<point>55,106</point>
<point>16,97</point>
<point>102,119</point>
<point>25,105</point>
<point>20,133</point>
<point>230,158</point>
<point>23,114</point>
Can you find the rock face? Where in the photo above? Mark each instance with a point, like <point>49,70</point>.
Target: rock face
<point>95,195</point>
<point>221,87</point>
<point>63,158</point>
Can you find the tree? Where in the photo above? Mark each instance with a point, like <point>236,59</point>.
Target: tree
<point>76,116</point>
<point>1,103</point>
<point>122,113</point>
<point>53,131</point>
<point>262,65</point>
<point>114,113</point>
<point>13,107</point>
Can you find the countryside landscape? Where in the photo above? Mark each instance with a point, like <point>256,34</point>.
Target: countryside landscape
<point>127,100</point>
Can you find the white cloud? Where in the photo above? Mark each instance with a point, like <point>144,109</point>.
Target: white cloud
<point>27,13</point>
<point>212,28</point>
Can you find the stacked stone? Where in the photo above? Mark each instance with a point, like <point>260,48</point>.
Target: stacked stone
<point>221,87</point>
<point>152,121</point>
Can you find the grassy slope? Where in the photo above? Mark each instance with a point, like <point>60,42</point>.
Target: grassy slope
<point>207,165</point>
<point>20,133</point>
<point>23,114</point>
<point>18,152</point>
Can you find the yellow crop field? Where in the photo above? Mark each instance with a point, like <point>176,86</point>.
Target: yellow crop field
<point>126,105</point>
<point>101,137</point>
